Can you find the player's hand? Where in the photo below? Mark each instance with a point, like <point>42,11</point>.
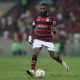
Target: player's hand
<point>30,39</point>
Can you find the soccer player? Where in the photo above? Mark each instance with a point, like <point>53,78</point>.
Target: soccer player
<point>41,34</point>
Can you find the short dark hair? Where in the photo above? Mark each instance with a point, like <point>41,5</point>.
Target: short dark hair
<point>44,4</point>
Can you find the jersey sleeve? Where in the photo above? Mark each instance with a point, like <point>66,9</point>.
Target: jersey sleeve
<point>55,22</point>
<point>33,23</point>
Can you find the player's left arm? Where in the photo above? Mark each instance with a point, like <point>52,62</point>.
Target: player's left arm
<point>54,31</point>
<point>54,27</point>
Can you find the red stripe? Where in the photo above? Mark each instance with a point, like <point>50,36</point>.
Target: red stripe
<point>47,38</point>
<point>43,19</point>
<point>43,34</point>
<point>40,30</point>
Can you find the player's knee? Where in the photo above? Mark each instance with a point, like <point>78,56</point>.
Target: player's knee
<point>34,57</point>
<point>53,54</point>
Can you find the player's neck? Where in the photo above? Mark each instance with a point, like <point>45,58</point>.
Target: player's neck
<point>44,15</point>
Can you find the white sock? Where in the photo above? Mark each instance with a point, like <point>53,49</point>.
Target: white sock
<point>64,64</point>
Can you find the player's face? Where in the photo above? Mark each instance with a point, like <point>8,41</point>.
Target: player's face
<point>43,9</point>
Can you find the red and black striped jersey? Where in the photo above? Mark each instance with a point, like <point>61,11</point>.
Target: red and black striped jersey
<point>43,28</point>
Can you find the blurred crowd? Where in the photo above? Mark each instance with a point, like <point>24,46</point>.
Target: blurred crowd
<point>17,24</point>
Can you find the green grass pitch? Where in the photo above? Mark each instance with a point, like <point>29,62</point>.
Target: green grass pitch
<point>13,68</point>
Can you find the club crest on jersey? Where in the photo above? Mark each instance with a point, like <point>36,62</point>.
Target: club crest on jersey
<point>47,20</point>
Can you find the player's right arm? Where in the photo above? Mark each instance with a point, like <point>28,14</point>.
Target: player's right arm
<point>32,30</point>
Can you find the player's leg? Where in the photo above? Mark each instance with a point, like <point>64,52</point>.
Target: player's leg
<point>34,57</point>
<point>36,49</point>
<point>34,61</point>
<point>53,54</point>
<point>58,59</point>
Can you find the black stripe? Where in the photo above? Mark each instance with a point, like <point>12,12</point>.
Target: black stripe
<point>42,32</point>
<point>42,37</point>
<point>45,28</point>
<point>46,23</point>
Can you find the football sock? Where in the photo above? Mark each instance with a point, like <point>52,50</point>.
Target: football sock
<point>64,64</point>
<point>58,59</point>
<point>34,60</point>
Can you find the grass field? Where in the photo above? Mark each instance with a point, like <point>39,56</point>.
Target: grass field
<point>13,68</point>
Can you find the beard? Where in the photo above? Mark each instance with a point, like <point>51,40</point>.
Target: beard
<point>44,13</point>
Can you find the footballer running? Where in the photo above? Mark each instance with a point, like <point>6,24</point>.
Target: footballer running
<point>41,34</point>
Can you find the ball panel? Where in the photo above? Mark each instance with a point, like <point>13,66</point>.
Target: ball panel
<point>40,73</point>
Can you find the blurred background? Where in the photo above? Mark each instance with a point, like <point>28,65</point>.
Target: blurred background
<point>16,20</point>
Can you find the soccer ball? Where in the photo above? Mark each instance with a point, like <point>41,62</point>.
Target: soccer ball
<point>40,73</point>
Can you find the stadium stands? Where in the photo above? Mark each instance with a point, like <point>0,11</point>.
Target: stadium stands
<point>67,12</point>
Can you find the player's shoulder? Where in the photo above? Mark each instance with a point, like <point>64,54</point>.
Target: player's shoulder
<point>51,17</point>
<point>54,18</point>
